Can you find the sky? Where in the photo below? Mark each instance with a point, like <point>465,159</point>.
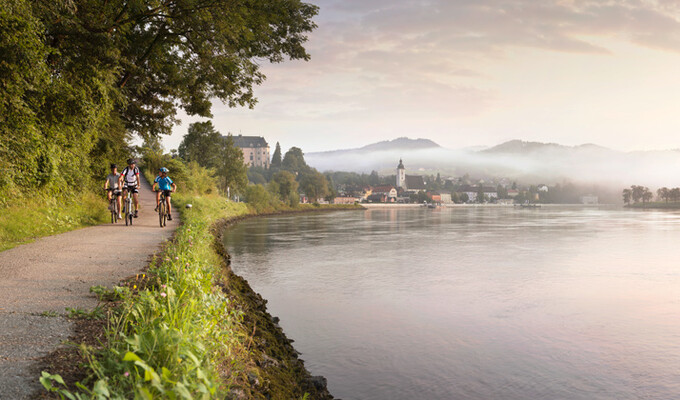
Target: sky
<point>473,73</point>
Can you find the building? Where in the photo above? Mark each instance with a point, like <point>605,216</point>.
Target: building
<point>409,183</point>
<point>471,191</point>
<point>389,192</point>
<point>590,199</point>
<point>401,176</point>
<point>255,150</point>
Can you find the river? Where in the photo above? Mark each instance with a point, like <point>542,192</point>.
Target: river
<point>475,303</point>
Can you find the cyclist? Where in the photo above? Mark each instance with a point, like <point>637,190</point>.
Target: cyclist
<point>130,179</point>
<point>164,183</point>
<point>112,187</point>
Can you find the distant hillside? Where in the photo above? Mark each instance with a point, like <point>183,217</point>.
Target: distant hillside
<point>402,143</point>
<point>522,147</point>
<point>519,160</point>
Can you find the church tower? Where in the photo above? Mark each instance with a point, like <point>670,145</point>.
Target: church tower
<point>401,176</point>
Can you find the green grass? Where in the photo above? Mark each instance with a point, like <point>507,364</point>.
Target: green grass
<point>31,219</point>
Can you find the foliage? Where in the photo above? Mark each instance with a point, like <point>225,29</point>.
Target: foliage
<point>284,185</point>
<point>261,200</point>
<point>26,219</point>
<point>294,162</point>
<point>314,185</point>
<point>276,158</point>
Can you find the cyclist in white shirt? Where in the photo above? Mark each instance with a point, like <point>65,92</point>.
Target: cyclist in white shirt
<point>112,187</point>
<point>129,179</point>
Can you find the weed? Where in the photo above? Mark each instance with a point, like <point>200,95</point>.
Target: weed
<point>79,313</point>
<point>50,314</point>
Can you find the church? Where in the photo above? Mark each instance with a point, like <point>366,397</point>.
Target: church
<point>408,183</point>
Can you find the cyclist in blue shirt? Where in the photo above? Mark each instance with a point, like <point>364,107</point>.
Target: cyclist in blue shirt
<point>164,183</point>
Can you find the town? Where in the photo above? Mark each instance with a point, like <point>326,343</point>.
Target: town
<point>337,187</point>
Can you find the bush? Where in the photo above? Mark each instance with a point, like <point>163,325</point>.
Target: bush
<point>261,200</point>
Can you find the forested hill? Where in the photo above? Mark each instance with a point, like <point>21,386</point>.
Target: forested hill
<point>79,78</point>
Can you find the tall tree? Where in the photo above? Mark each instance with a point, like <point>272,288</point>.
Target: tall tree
<point>180,53</point>
<point>294,161</point>
<point>627,195</point>
<point>203,144</point>
<point>276,157</point>
<point>232,172</point>
<point>315,185</point>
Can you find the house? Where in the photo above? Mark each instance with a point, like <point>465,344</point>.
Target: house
<point>446,198</point>
<point>472,191</point>
<point>513,193</point>
<point>388,191</point>
<point>255,150</point>
<point>590,199</point>
<point>435,197</point>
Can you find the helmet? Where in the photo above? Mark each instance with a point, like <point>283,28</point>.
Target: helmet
<point>131,161</point>
<point>113,166</point>
<point>163,169</point>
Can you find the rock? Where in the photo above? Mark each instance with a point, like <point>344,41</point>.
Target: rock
<point>319,382</point>
<point>269,361</point>
<point>188,206</point>
<point>276,320</point>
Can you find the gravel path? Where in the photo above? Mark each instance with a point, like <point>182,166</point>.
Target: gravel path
<point>56,272</point>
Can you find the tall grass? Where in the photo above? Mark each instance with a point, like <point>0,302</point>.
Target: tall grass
<point>27,220</point>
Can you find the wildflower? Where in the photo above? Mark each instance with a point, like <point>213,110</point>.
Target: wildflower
<point>163,294</point>
<point>163,286</point>
<point>134,287</point>
<point>126,374</point>
<point>176,258</point>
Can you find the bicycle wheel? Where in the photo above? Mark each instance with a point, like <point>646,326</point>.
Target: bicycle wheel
<point>113,212</point>
<point>127,212</point>
<point>161,213</point>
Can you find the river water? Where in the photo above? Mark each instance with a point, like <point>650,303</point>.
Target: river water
<point>475,303</point>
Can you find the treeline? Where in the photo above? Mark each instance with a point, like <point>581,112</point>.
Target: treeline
<point>80,78</point>
<point>641,194</point>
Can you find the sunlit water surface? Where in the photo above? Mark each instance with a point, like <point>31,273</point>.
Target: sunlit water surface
<point>475,303</point>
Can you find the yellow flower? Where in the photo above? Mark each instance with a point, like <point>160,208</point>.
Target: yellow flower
<point>134,287</point>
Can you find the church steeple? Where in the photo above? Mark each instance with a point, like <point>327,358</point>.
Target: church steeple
<point>401,175</point>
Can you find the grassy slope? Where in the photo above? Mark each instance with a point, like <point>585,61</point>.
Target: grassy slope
<point>193,329</point>
<point>28,220</point>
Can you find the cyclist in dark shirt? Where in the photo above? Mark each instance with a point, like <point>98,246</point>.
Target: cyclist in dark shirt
<point>129,179</point>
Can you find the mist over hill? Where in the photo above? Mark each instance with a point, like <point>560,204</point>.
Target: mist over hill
<point>529,162</point>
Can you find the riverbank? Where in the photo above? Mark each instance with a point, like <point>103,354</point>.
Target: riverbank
<point>659,205</point>
<point>212,336</point>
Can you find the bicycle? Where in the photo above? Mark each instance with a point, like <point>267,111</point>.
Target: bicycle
<point>129,212</point>
<point>162,209</point>
<point>113,205</point>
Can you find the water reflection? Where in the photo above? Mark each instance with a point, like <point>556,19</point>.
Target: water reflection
<point>470,303</point>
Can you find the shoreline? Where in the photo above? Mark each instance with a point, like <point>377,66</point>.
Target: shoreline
<point>414,205</point>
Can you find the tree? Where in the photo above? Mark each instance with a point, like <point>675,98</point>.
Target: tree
<point>464,197</point>
<point>202,144</point>
<point>161,55</point>
<point>232,171</point>
<point>276,158</point>
<point>675,194</point>
<point>315,185</point>
<point>627,195</point>
<point>646,195</point>
<point>481,198</point>
<point>637,192</point>
<point>285,186</point>
<point>663,193</point>
<point>294,161</point>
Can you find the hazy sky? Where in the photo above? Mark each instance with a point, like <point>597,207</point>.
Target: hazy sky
<point>474,72</point>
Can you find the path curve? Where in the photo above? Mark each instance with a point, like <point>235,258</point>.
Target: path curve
<point>56,272</point>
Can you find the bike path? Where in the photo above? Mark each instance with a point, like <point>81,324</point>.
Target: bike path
<point>56,272</point>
